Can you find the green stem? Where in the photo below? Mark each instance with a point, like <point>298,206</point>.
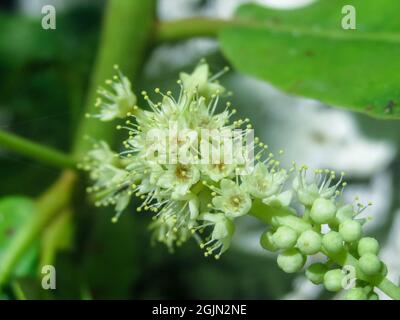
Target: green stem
<point>47,207</point>
<point>57,236</point>
<point>36,151</point>
<point>283,216</point>
<point>188,28</point>
<point>390,289</point>
<point>18,292</point>
<point>205,27</point>
<point>128,26</point>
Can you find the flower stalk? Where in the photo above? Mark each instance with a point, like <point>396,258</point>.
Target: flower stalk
<point>267,214</point>
<point>36,151</point>
<point>127,29</point>
<point>188,28</point>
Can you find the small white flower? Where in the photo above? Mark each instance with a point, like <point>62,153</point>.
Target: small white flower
<point>111,180</point>
<point>179,179</point>
<point>101,153</point>
<point>217,172</point>
<point>167,230</point>
<point>320,187</point>
<point>232,199</point>
<point>117,101</point>
<point>280,200</point>
<point>221,236</point>
<point>262,182</point>
<point>202,114</point>
<point>199,82</point>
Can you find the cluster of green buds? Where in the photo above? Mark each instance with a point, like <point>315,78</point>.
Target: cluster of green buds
<point>193,197</point>
<point>325,227</point>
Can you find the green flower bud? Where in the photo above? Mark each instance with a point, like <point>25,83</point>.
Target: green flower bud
<point>332,242</point>
<point>284,237</point>
<point>333,280</point>
<point>291,260</point>
<point>267,242</point>
<point>370,264</point>
<point>307,197</point>
<point>315,273</point>
<point>356,294</point>
<point>322,211</point>
<point>309,242</point>
<point>368,245</point>
<point>344,213</point>
<point>350,230</point>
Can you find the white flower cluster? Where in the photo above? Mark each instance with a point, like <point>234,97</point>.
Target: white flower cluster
<point>187,199</point>
<point>201,199</point>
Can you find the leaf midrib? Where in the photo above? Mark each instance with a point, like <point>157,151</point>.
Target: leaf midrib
<point>346,35</point>
<point>205,27</point>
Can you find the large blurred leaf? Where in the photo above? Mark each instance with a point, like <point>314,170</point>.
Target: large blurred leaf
<point>14,212</point>
<point>306,52</point>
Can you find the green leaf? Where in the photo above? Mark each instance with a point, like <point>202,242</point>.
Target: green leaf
<point>306,52</point>
<point>14,212</point>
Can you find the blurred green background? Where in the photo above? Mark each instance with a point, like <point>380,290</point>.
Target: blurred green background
<point>44,78</point>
